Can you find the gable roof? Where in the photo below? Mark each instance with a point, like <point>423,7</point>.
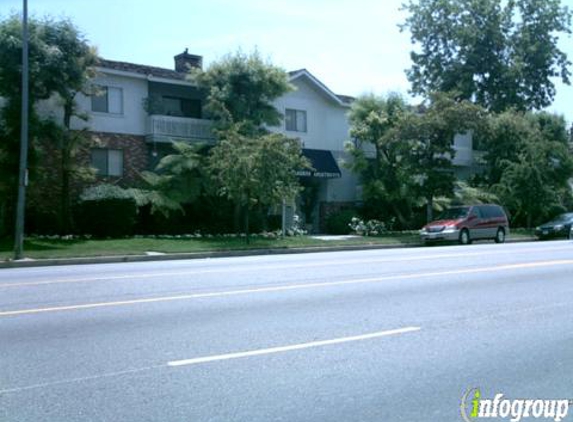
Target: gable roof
<point>347,99</point>
<point>342,100</point>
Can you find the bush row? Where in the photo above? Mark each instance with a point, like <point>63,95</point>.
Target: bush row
<point>110,211</point>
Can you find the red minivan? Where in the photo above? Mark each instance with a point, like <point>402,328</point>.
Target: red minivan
<point>467,223</point>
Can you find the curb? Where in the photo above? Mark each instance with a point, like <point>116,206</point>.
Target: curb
<point>206,255</point>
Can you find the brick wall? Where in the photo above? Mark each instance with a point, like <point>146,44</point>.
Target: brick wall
<point>135,155</point>
<point>44,192</point>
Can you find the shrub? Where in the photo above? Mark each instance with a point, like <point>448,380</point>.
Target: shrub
<point>296,228</point>
<point>338,222</point>
<point>106,191</point>
<point>368,228</point>
<point>42,221</point>
<point>107,211</point>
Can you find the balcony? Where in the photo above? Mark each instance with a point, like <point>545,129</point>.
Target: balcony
<point>168,128</point>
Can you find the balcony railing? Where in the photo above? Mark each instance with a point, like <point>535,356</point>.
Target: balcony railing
<point>169,128</point>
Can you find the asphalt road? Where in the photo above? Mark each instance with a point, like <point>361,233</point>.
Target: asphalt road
<point>388,335</point>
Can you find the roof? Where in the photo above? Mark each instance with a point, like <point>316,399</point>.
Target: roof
<point>158,72</point>
<point>347,99</point>
<point>343,100</point>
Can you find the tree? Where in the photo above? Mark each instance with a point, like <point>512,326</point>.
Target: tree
<point>465,193</point>
<point>10,92</point>
<point>75,65</point>
<point>386,176</point>
<point>178,179</point>
<point>61,64</point>
<point>499,54</point>
<point>503,138</point>
<point>256,171</point>
<point>534,181</point>
<point>240,89</point>
<point>506,135</point>
<point>431,133</point>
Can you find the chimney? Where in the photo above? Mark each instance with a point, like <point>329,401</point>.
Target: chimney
<point>186,61</point>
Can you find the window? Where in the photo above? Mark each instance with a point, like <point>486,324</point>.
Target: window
<point>172,106</point>
<point>295,120</point>
<point>107,162</point>
<point>108,100</point>
<point>182,107</point>
<point>476,212</point>
<point>491,211</point>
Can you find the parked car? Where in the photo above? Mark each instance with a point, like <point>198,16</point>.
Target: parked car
<point>560,226</point>
<point>468,223</point>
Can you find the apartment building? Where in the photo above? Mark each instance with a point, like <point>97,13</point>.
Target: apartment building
<point>138,110</point>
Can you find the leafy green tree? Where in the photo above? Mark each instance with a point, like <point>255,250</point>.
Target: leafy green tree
<point>76,61</point>
<point>61,64</point>
<point>10,92</point>
<point>506,135</point>
<point>534,181</point>
<point>178,179</point>
<point>503,138</point>
<point>430,134</point>
<point>10,155</point>
<point>257,170</point>
<point>386,174</point>
<point>465,193</point>
<point>499,54</point>
<point>528,188</point>
<point>240,89</point>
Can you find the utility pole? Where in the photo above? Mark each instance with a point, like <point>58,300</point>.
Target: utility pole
<point>23,170</point>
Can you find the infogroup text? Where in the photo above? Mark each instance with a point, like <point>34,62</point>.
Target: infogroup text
<point>475,407</point>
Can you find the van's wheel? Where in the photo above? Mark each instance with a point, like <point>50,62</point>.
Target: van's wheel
<point>500,236</point>
<point>465,237</point>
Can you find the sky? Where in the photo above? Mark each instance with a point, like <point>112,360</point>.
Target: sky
<point>352,46</point>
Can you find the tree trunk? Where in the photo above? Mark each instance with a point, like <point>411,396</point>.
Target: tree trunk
<point>401,218</point>
<point>9,212</point>
<point>65,206</point>
<point>429,208</point>
<point>4,219</point>
<point>247,208</point>
<point>237,214</point>
<point>64,186</point>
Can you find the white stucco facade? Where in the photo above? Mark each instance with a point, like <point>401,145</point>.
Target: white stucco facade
<point>132,119</point>
<point>327,128</point>
<point>327,125</point>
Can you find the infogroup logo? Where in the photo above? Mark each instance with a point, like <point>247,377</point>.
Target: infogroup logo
<point>475,407</point>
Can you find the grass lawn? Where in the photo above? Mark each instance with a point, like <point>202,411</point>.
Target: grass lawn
<point>49,248</point>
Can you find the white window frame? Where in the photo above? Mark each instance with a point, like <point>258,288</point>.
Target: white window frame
<point>298,121</point>
<point>111,154</point>
<point>110,108</point>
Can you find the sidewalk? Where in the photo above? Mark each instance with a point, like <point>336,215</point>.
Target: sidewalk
<point>155,256</point>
